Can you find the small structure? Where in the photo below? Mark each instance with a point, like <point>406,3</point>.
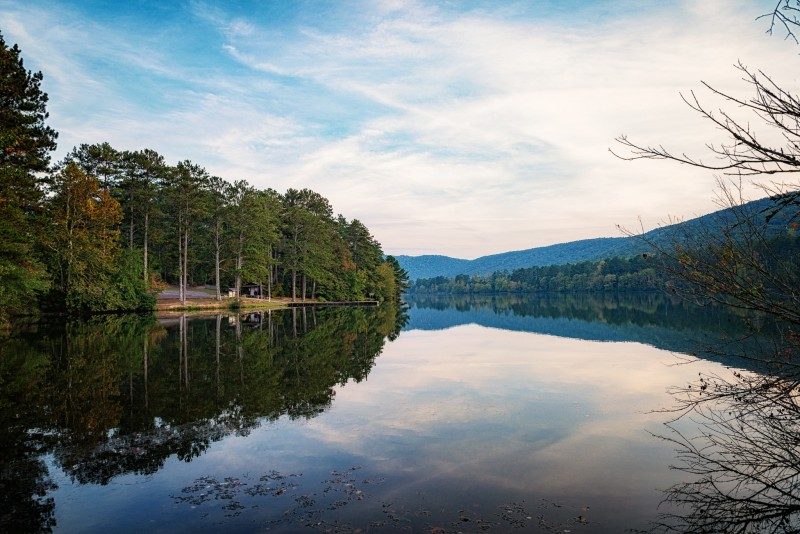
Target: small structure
<point>248,290</point>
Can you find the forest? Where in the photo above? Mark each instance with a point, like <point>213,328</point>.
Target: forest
<point>664,269</point>
<point>637,273</point>
<point>105,228</point>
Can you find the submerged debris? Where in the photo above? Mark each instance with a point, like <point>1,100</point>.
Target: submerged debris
<point>297,507</point>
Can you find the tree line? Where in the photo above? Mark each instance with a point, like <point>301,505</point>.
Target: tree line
<point>104,228</point>
<point>712,257</point>
<point>637,273</point>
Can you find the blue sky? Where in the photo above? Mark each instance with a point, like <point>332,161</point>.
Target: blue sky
<point>462,128</point>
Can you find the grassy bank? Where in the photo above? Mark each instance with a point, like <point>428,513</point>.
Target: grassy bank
<point>195,304</point>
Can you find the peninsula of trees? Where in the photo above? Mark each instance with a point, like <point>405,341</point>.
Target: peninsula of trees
<point>104,228</point>
<point>637,273</point>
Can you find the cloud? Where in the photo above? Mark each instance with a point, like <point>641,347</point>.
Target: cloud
<point>445,130</point>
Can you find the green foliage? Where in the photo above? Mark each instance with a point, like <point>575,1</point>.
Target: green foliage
<point>387,283</point>
<point>614,274</point>
<point>400,276</point>
<point>176,223</point>
<point>82,240</point>
<point>763,211</point>
<point>25,146</point>
<point>131,290</point>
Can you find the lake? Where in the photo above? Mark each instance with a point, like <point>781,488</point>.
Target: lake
<point>455,414</point>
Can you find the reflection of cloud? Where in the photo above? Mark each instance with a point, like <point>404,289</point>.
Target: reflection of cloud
<point>489,125</point>
<point>487,404</point>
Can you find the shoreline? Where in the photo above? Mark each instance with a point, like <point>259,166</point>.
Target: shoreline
<point>195,304</point>
<point>166,307</point>
<point>231,304</point>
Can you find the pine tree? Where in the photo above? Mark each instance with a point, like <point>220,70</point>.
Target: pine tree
<point>144,172</point>
<point>218,202</point>
<point>25,146</point>
<point>185,188</point>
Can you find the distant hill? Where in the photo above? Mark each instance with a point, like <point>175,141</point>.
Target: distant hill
<point>429,266</point>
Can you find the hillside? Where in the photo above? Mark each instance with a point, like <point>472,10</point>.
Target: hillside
<point>428,266</point>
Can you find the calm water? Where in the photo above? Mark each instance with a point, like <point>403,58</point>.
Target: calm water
<point>458,414</point>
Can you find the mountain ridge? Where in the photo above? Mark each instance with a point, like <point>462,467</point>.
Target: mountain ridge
<point>592,249</point>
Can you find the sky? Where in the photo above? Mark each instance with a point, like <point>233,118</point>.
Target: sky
<point>458,128</point>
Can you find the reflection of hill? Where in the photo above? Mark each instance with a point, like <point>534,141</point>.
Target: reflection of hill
<point>116,395</point>
<point>649,318</point>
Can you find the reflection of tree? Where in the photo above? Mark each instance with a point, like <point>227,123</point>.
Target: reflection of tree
<point>117,395</point>
<point>24,480</point>
<point>642,309</point>
<point>741,454</point>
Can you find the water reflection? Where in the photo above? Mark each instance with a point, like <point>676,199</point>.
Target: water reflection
<point>117,395</point>
<point>736,432</point>
<point>737,440</point>
<point>244,421</point>
<point>655,319</point>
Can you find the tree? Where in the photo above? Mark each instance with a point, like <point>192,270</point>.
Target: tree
<point>304,216</point>
<point>253,227</point>
<point>742,462</point>
<point>100,160</point>
<point>266,236</point>
<point>185,185</point>
<point>785,14</point>
<point>261,235</point>
<point>366,254</point>
<point>400,276</point>
<point>82,240</point>
<point>144,171</point>
<point>387,286</point>
<point>745,153</point>
<point>218,204</point>
<point>740,265</point>
<point>25,146</point>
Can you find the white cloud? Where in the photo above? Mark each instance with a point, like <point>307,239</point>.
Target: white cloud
<point>459,133</point>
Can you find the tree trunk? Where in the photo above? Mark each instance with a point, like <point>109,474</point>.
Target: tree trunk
<point>144,359</point>
<point>219,341</point>
<point>216,262</point>
<point>304,287</point>
<point>239,267</point>
<point>313,290</point>
<point>269,326</point>
<point>294,267</point>
<point>144,252</point>
<point>186,263</point>
<point>185,266</point>
<point>185,349</point>
<point>180,352</point>
<point>130,236</point>
<point>180,261</point>
<point>240,347</point>
<point>269,285</point>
